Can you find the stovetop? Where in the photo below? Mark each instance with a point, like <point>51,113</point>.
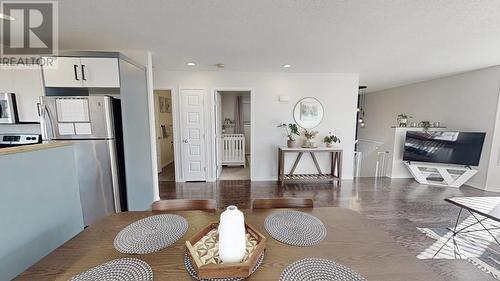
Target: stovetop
<point>9,140</point>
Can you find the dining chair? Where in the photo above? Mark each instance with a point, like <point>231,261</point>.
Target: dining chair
<point>184,205</point>
<point>269,203</point>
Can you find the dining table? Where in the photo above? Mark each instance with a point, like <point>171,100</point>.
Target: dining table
<point>352,240</point>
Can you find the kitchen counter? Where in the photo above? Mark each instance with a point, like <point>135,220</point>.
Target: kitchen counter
<point>39,202</point>
<point>32,147</point>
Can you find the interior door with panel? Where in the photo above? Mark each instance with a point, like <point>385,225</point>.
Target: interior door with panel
<point>65,72</point>
<point>193,134</point>
<point>100,72</point>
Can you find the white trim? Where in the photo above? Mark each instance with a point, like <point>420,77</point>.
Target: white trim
<point>213,150</point>
<point>479,186</point>
<point>152,127</point>
<point>177,138</point>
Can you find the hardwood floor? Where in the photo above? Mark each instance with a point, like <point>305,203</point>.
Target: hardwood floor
<point>398,206</point>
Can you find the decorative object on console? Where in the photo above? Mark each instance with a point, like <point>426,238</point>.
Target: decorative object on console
<point>308,113</point>
<point>291,130</point>
<point>425,124</point>
<point>413,124</point>
<point>330,139</point>
<point>436,124</point>
<point>403,120</point>
<point>310,135</point>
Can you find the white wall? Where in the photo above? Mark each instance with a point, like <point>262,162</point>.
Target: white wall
<point>466,102</point>
<point>337,92</point>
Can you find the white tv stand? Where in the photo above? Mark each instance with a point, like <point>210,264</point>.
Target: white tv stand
<point>452,176</point>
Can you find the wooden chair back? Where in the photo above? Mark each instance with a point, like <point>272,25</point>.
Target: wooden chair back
<point>184,205</point>
<point>269,203</point>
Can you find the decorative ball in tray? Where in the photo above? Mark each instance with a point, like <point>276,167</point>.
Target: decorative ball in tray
<point>203,251</point>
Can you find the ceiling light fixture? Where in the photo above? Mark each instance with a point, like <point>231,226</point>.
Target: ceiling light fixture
<point>6,17</point>
<point>287,65</point>
<point>361,106</point>
<point>191,64</point>
<point>220,65</point>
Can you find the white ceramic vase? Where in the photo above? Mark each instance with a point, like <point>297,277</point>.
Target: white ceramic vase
<point>232,237</point>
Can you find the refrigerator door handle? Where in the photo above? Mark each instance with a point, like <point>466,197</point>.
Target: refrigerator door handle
<point>49,126</point>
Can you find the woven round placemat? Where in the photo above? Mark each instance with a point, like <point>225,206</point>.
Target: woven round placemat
<point>295,228</point>
<point>192,272</point>
<point>312,269</point>
<point>150,234</point>
<point>126,269</point>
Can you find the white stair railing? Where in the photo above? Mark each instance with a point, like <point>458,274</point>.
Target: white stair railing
<point>233,149</point>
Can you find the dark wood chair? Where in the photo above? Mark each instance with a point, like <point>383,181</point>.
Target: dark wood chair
<point>282,203</point>
<point>184,205</point>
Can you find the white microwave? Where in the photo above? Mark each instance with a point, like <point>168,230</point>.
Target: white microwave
<point>8,108</point>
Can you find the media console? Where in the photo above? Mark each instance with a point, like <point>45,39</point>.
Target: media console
<point>448,175</point>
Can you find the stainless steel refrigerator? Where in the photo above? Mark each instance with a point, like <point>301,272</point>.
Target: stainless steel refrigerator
<point>93,124</point>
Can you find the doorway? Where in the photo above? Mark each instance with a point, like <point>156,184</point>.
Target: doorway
<point>233,134</point>
<point>164,135</point>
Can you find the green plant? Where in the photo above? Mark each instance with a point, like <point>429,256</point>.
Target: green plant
<point>403,116</point>
<point>331,138</point>
<point>291,130</point>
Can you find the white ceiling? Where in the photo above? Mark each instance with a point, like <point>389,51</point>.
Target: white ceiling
<point>389,42</point>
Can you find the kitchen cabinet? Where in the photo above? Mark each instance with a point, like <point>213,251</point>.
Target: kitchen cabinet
<point>100,72</point>
<point>28,87</point>
<point>82,72</point>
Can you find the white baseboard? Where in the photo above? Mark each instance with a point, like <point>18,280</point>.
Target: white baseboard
<point>476,185</point>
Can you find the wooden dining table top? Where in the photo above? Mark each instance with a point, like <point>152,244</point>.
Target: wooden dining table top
<point>351,240</point>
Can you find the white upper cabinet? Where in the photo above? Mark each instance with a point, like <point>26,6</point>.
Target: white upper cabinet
<point>85,72</point>
<point>65,72</point>
<point>100,72</point>
<point>28,87</point>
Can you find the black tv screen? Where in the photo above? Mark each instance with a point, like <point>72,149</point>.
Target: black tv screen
<point>460,148</point>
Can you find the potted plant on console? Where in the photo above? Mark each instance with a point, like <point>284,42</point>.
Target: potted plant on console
<point>291,132</point>
<point>330,139</point>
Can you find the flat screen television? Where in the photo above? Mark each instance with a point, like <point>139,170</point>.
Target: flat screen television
<point>460,148</point>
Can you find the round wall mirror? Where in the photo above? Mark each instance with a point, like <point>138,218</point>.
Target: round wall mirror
<point>308,113</point>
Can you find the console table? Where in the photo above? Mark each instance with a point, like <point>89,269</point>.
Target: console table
<point>334,175</point>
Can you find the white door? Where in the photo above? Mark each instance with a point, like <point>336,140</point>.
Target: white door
<point>193,134</point>
<point>100,72</point>
<point>218,131</point>
<point>65,72</point>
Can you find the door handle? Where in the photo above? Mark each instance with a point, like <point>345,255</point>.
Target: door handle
<point>185,141</point>
<point>76,72</point>
<point>83,72</point>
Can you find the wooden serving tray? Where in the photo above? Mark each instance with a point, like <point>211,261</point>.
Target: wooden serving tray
<point>220,270</point>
